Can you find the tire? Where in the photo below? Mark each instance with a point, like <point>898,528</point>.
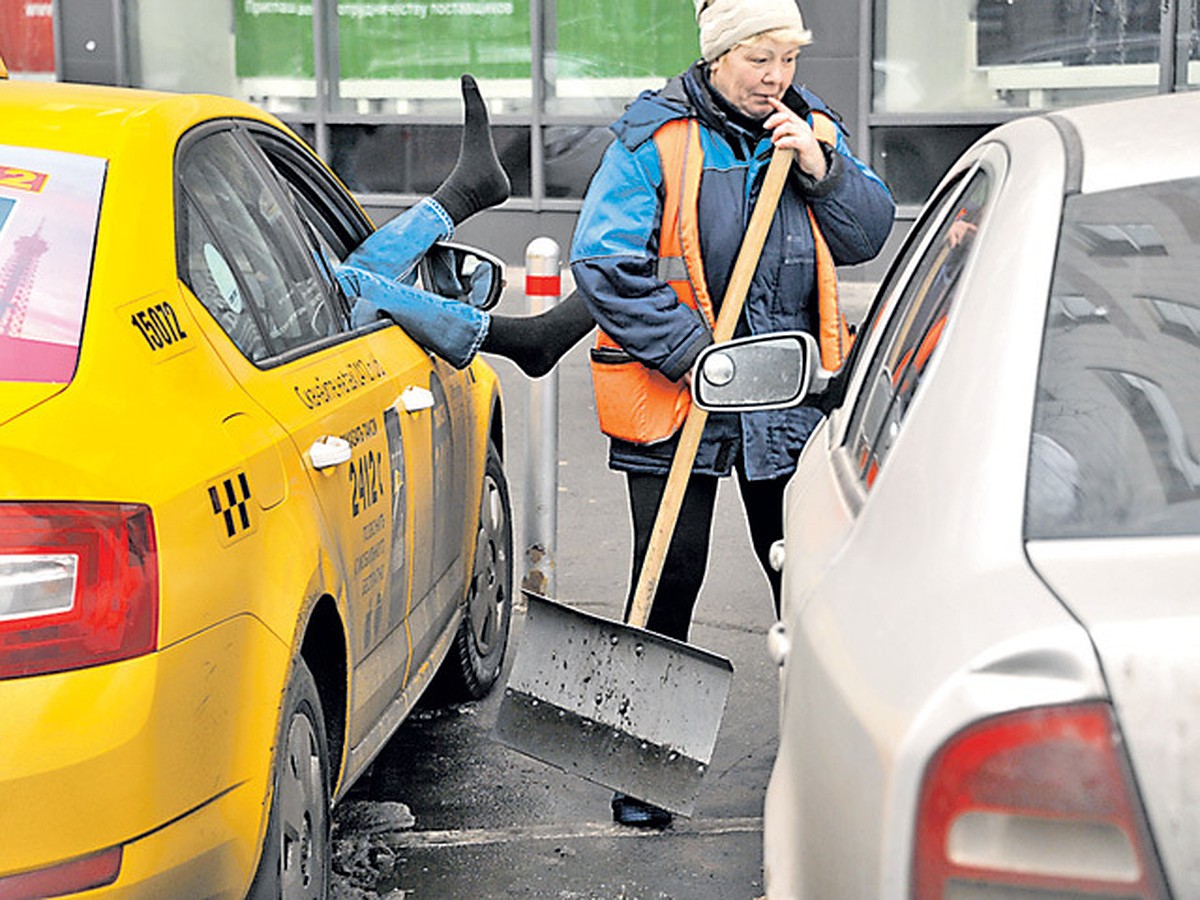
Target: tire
<point>295,862</point>
<point>473,664</point>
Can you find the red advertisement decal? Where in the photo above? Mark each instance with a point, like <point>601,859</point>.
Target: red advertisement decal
<point>22,179</point>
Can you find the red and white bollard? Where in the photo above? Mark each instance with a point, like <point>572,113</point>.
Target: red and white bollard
<point>543,290</point>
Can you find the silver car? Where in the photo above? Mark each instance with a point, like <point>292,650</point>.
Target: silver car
<point>990,636</point>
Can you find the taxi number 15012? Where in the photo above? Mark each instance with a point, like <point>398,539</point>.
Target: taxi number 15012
<point>158,325</point>
<point>366,482</point>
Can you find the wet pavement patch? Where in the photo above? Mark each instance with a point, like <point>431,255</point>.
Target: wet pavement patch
<point>364,864</point>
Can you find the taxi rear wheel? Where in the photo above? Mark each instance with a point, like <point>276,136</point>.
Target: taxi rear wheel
<point>474,661</point>
<point>296,855</point>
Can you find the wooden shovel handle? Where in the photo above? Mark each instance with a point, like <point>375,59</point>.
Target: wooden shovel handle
<point>693,425</point>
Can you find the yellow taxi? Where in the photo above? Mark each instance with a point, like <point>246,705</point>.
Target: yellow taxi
<point>239,537</point>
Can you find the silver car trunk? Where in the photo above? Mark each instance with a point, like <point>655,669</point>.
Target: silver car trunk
<point>1138,599</point>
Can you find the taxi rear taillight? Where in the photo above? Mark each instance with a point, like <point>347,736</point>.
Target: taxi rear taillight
<point>78,585</point>
<point>82,874</point>
<point>1035,803</point>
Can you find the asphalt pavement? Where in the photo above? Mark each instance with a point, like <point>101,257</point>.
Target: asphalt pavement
<point>448,812</point>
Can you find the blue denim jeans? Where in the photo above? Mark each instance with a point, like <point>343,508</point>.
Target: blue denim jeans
<point>378,279</point>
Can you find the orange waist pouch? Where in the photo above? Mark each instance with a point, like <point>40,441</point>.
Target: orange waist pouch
<point>635,403</point>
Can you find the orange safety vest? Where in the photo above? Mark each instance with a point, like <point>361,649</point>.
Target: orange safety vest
<point>639,404</point>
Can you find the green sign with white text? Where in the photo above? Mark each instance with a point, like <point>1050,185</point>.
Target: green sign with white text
<point>385,39</point>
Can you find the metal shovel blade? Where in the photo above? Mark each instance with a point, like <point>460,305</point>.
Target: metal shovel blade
<point>623,707</point>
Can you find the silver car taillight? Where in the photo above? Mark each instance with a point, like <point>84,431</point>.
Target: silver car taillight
<point>1035,803</point>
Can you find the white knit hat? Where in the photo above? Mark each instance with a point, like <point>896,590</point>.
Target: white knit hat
<point>724,23</point>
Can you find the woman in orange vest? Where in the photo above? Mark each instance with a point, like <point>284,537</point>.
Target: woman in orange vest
<point>653,250</point>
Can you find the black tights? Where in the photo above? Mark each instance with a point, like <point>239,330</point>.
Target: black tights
<point>687,557</point>
<point>536,343</point>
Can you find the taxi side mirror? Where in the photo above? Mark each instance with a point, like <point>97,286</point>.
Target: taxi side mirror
<point>463,273</point>
<point>768,371</point>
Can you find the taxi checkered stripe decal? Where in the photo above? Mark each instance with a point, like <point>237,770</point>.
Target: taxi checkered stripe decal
<point>229,501</point>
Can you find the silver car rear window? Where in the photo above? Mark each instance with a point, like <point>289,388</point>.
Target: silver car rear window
<point>49,207</point>
<point>1116,432</point>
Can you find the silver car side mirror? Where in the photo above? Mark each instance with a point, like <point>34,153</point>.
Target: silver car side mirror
<point>769,371</point>
<point>463,273</point>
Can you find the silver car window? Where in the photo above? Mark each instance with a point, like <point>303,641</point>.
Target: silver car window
<point>914,328</point>
<point>1116,434</point>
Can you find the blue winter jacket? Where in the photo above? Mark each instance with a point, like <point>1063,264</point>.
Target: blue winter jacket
<point>615,251</point>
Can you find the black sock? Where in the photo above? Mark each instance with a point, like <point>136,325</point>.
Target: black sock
<point>477,180</point>
<point>536,343</point>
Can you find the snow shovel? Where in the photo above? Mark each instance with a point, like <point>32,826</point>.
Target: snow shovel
<point>609,701</point>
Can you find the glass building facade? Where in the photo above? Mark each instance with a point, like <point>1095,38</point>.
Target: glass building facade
<point>373,84</point>
<point>944,71</point>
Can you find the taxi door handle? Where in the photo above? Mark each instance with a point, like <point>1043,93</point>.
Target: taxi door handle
<point>329,451</point>
<point>414,399</point>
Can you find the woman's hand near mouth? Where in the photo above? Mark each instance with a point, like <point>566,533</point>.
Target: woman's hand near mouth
<point>789,131</point>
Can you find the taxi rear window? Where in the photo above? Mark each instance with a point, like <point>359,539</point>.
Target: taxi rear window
<point>49,207</point>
